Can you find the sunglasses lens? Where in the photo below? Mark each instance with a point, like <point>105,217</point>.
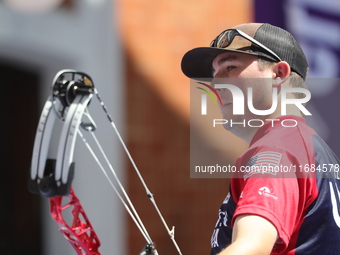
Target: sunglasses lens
<point>223,40</point>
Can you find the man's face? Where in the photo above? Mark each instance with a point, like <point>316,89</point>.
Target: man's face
<point>242,70</point>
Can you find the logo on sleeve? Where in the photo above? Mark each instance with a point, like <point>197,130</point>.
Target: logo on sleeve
<point>265,191</point>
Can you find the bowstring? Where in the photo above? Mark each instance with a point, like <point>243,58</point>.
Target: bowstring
<point>149,194</point>
<point>120,185</point>
<point>134,215</point>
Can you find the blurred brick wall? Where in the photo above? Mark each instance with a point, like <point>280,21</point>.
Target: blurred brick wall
<point>155,35</point>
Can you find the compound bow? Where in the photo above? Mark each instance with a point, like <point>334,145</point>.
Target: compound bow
<point>67,106</point>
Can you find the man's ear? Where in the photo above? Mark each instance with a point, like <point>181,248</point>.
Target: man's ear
<point>281,71</point>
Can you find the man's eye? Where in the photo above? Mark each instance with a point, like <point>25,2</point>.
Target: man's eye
<point>230,68</point>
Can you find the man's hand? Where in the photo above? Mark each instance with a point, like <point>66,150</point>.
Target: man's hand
<point>252,235</point>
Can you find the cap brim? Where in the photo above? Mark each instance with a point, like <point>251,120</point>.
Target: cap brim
<point>197,63</point>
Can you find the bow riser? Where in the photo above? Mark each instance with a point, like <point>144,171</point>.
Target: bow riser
<point>79,233</point>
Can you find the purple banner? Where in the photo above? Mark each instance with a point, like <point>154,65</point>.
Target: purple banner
<point>316,26</point>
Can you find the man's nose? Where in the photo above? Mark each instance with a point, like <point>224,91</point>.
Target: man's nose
<point>218,77</point>
<point>218,80</point>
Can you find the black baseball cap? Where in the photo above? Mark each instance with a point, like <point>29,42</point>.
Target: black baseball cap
<point>260,39</point>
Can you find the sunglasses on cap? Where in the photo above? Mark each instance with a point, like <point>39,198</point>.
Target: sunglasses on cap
<point>227,38</point>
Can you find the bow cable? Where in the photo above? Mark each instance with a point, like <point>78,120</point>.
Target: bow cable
<point>134,215</point>
<point>149,194</point>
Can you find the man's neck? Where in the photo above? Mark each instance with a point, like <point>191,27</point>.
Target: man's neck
<point>247,134</point>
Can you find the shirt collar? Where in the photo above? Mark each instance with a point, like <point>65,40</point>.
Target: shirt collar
<point>273,124</point>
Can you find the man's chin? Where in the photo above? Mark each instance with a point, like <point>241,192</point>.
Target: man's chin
<point>237,130</point>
